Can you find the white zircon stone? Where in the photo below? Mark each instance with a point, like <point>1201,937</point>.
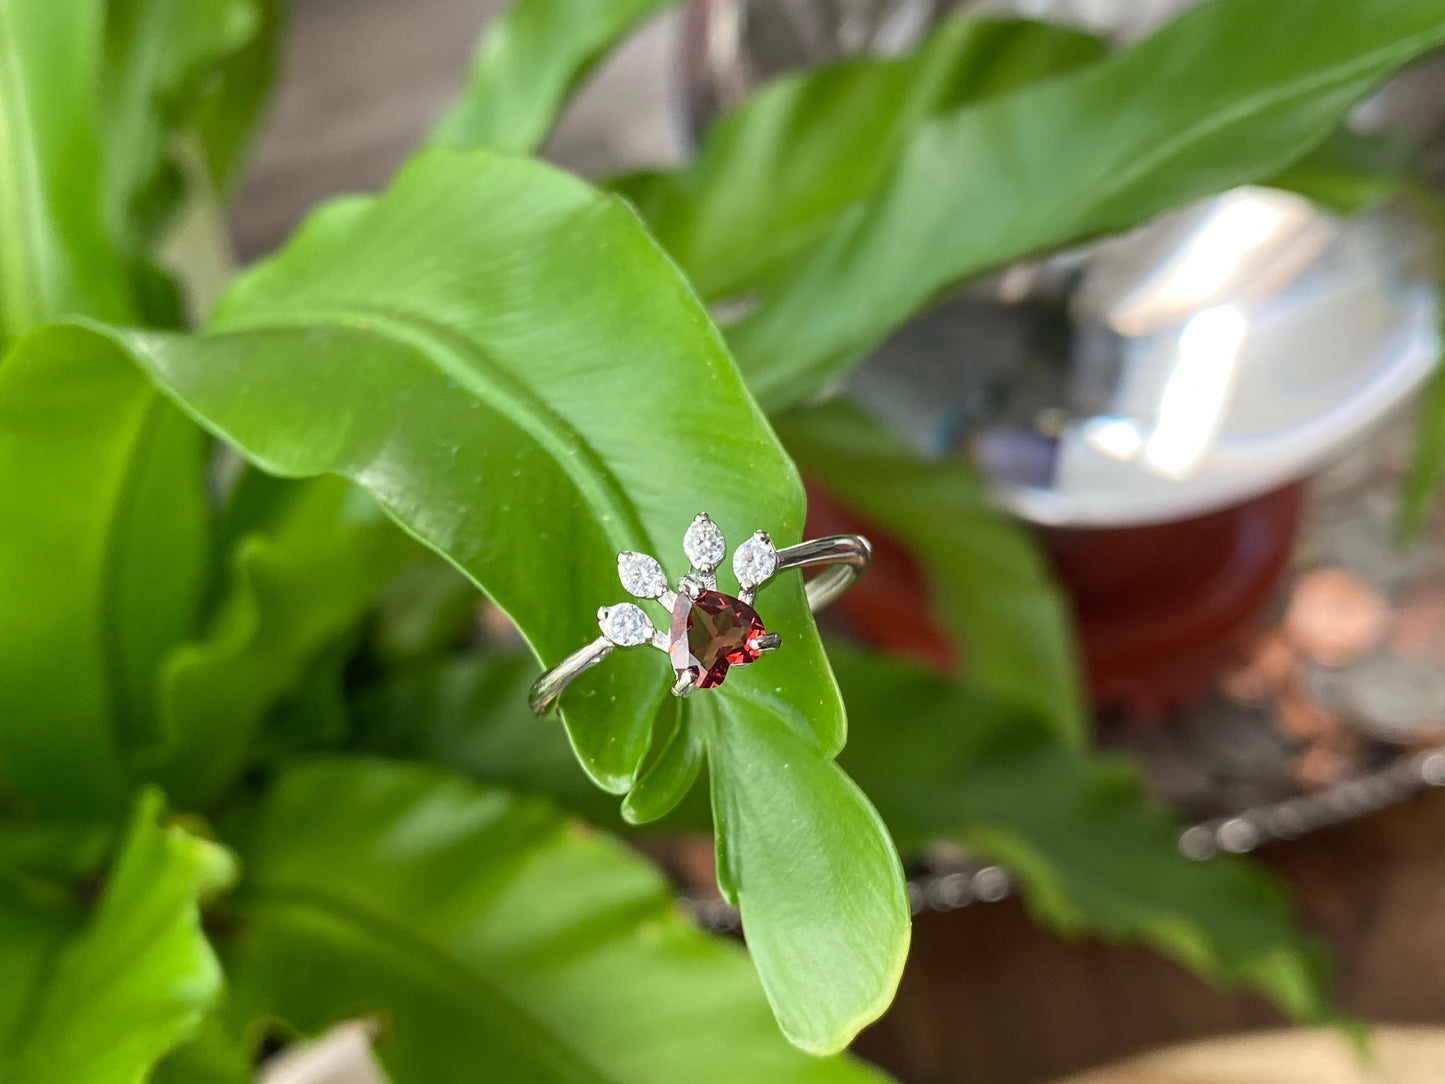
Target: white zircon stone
<point>755,560</point>
<point>625,624</point>
<point>703,543</point>
<point>640,574</point>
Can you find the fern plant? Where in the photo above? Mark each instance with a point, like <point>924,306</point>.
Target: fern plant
<point>258,771</point>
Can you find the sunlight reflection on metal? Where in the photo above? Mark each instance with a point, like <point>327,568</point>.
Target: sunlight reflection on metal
<point>1137,380</point>
<point>1196,391</point>
<point>1241,370</point>
<point>1118,437</point>
<point>1224,247</point>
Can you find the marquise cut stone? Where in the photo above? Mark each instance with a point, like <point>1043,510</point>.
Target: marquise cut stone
<point>640,574</point>
<point>755,560</point>
<point>704,544</point>
<point>625,624</point>
<point>712,632</point>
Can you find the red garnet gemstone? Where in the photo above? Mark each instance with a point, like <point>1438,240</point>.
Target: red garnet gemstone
<point>712,632</point>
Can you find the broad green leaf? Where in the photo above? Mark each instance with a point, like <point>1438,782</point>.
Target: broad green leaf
<point>496,940</point>
<point>784,819</point>
<point>774,175</point>
<point>40,863</point>
<point>158,56</point>
<point>315,716</point>
<point>670,777</point>
<point>297,581</point>
<point>35,920</point>
<point>991,587</point>
<point>814,950</point>
<point>229,108</point>
<point>521,377</point>
<point>56,259</point>
<point>53,850</point>
<point>105,1001</point>
<point>470,715</point>
<point>940,760</point>
<point>526,67</point>
<point>1231,92</point>
<point>467,715</point>
<point>91,92</point>
<point>1421,491</point>
<point>1091,852</point>
<point>1350,172</point>
<point>427,610</point>
<point>212,1056</point>
<point>101,517</point>
<point>102,539</point>
<point>526,418</point>
<point>250,502</point>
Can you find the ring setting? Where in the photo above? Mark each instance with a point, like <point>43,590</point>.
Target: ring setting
<point>708,631</point>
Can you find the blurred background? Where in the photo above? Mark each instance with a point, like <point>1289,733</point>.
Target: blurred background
<point>1255,627</point>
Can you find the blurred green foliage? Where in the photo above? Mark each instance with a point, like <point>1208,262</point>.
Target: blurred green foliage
<point>484,380</point>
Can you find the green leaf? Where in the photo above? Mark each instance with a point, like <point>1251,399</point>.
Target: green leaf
<point>521,377</point>
<point>1350,172</point>
<point>470,715</point>
<point>427,610</point>
<point>496,940</point>
<point>158,56</point>
<point>54,850</point>
<point>100,492</point>
<point>56,259</point>
<point>1230,92</point>
<point>40,862</point>
<point>102,541</point>
<point>991,587</point>
<point>211,1056</point>
<point>315,716</point>
<point>530,60</point>
<point>669,778</point>
<point>814,950</point>
<point>1420,493</point>
<point>90,94</point>
<point>774,175</point>
<point>229,108</point>
<point>298,580</point>
<point>535,411</point>
<point>36,917</point>
<point>533,406</point>
<point>103,1003</point>
<point>1092,854</point>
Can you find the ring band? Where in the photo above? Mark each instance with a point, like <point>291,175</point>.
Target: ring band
<point>708,631</point>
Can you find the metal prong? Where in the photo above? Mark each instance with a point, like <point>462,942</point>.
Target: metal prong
<point>685,683</point>
<point>768,641</point>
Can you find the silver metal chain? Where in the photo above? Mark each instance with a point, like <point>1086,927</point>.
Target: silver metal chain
<point>965,882</point>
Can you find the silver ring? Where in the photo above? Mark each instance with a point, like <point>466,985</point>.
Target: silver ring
<point>708,631</point>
